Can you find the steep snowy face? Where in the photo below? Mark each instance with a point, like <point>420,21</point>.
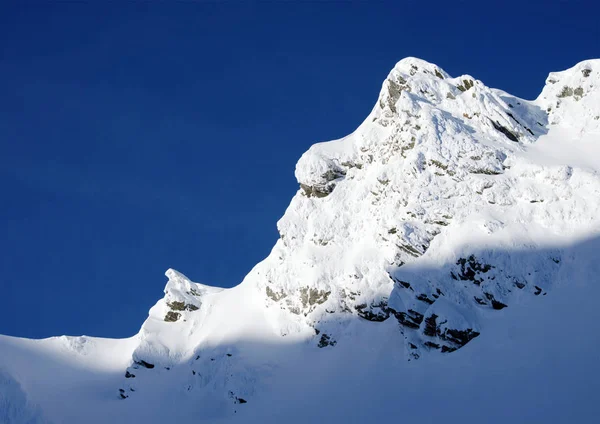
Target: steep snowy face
<point>394,220</point>
<point>425,218</point>
<point>571,98</point>
<point>450,202</point>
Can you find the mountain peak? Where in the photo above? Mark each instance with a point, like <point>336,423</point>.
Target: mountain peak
<point>412,66</point>
<point>404,240</point>
<point>572,97</point>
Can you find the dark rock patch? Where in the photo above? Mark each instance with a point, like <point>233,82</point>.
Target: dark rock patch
<point>565,92</point>
<point>505,131</point>
<point>314,191</point>
<point>480,300</point>
<point>172,316</point>
<point>326,340</point>
<point>466,85</point>
<point>144,364</point>
<point>432,345</point>
<point>513,118</point>
<point>176,306</point>
<point>375,312</point>
<point>312,297</point>
<point>276,296</point>
<point>410,319</point>
<point>495,303</point>
<point>431,329</point>
<point>471,270</point>
<point>181,306</point>
<point>325,188</point>
<point>423,298</point>
<point>459,337</point>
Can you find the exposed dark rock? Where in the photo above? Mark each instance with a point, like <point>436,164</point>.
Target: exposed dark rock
<point>565,92</point>
<point>181,306</point>
<point>314,191</point>
<point>176,306</point>
<point>586,72</point>
<point>326,187</point>
<point>237,399</point>
<point>485,171</point>
<point>495,304</point>
<point>194,292</point>
<point>144,364</point>
<point>375,312</point>
<point>172,316</point>
<point>432,345</point>
<point>122,394</point>
<point>471,269</point>
<point>410,319</point>
<point>404,284</point>
<point>431,329</point>
<point>326,340</point>
<point>312,297</point>
<point>447,349</point>
<point>505,131</point>
<point>513,118</point>
<point>352,165</point>
<point>395,89</point>
<point>411,250</point>
<point>276,296</point>
<point>538,290</point>
<point>459,337</point>
<point>423,298</point>
<point>129,375</point>
<point>467,84</point>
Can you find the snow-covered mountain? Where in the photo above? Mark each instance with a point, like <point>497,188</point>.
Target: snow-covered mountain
<point>437,263</point>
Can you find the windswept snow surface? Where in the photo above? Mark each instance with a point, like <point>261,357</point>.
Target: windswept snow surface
<point>439,263</point>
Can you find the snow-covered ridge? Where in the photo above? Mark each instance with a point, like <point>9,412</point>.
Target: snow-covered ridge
<point>412,217</point>
<point>449,205</point>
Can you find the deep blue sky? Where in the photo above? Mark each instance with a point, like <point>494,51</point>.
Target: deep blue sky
<point>137,137</point>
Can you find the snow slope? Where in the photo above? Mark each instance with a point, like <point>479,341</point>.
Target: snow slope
<point>437,263</point>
